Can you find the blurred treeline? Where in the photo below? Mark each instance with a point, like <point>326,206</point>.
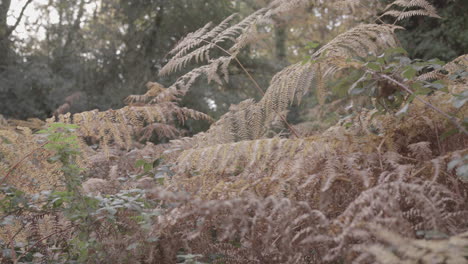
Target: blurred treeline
<point>93,53</point>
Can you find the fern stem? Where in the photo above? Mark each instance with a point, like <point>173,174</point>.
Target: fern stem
<point>293,131</point>
<point>407,89</point>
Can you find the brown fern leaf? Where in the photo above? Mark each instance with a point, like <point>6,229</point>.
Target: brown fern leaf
<point>394,248</point>
<point>119,126</point>
<point>33,123</point>
<point>417,8</point>
<point>35,174</point>
<point>271,230</point>
<point>24,165</point>
<point>154,90</point>
<point>407,208</point>
<point>459,64</point>
<point>289,85</point>
<point>203,38</point>
<point>196,46</point>
<point>421,150</point>
<point>162,130</point>
<point>280,162</point>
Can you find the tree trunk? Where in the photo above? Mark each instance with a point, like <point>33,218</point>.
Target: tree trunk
<point>4,34</point>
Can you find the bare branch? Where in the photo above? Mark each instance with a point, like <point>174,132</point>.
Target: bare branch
<point>12,28</point>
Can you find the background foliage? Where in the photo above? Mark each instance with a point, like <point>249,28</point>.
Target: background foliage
<point>105,50</point>
<point>330,142</point>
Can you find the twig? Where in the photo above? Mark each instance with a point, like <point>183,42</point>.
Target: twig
<point>438,140</point>
<point>12,28</point>
<point>407,89</point>
<point>380,153</point>
<point>12,246</point>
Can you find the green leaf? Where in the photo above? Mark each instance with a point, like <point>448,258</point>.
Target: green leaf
<point>460,99</point>
<point>437,62</point>
<point>157,162</point>
<point>140,163</point>
<point>380,60</point>
<point>409,73</point>
<point>419,89</point>
<point>373,66</point>
<point>438,85</point>
<point>147,167</point>
<point>397,50</point>
<point>312,45</point>
<point>422,91</point>
<point>411,98</point>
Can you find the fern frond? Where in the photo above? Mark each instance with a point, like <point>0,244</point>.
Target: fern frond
<point>168,95</point>
<point>272,224</point>
<point>460,64</point>
<point>204,38</point>
<point>184,82</point>
<point>394,248</point>
<point>423,4</point>
<point>343,154</point>
<point>402,207</point>
<point>399,15</point>
<point>34,173</point>
<point>154,90</point>
<point>289,85</point>
<point>196,46</point>
<point>417,8</point>
<point>421,150</point>
<point>162,130</point>
<point>360,41</point>
<point>192,39</point>
<point>119,126</point>
<point>32,123</point>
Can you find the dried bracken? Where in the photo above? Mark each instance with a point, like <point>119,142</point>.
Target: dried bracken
<point>373,188</point>
<point>154,112</point>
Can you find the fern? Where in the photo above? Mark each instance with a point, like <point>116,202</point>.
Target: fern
<point>153,112</point>
<point>252,120</point>
<point>234,195</point>
<point>393,248</point>
<point>418,8</point>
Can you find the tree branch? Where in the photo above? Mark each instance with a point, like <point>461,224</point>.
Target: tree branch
<point>12,28</point>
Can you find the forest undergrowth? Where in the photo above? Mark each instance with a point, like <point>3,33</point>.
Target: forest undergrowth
<point>387,183</point>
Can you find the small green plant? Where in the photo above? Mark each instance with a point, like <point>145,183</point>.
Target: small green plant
<point>65,200</point>
<point>76,207</point>
<point>155,169</point>
<point>395,64</point>
<point>394,80</point>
